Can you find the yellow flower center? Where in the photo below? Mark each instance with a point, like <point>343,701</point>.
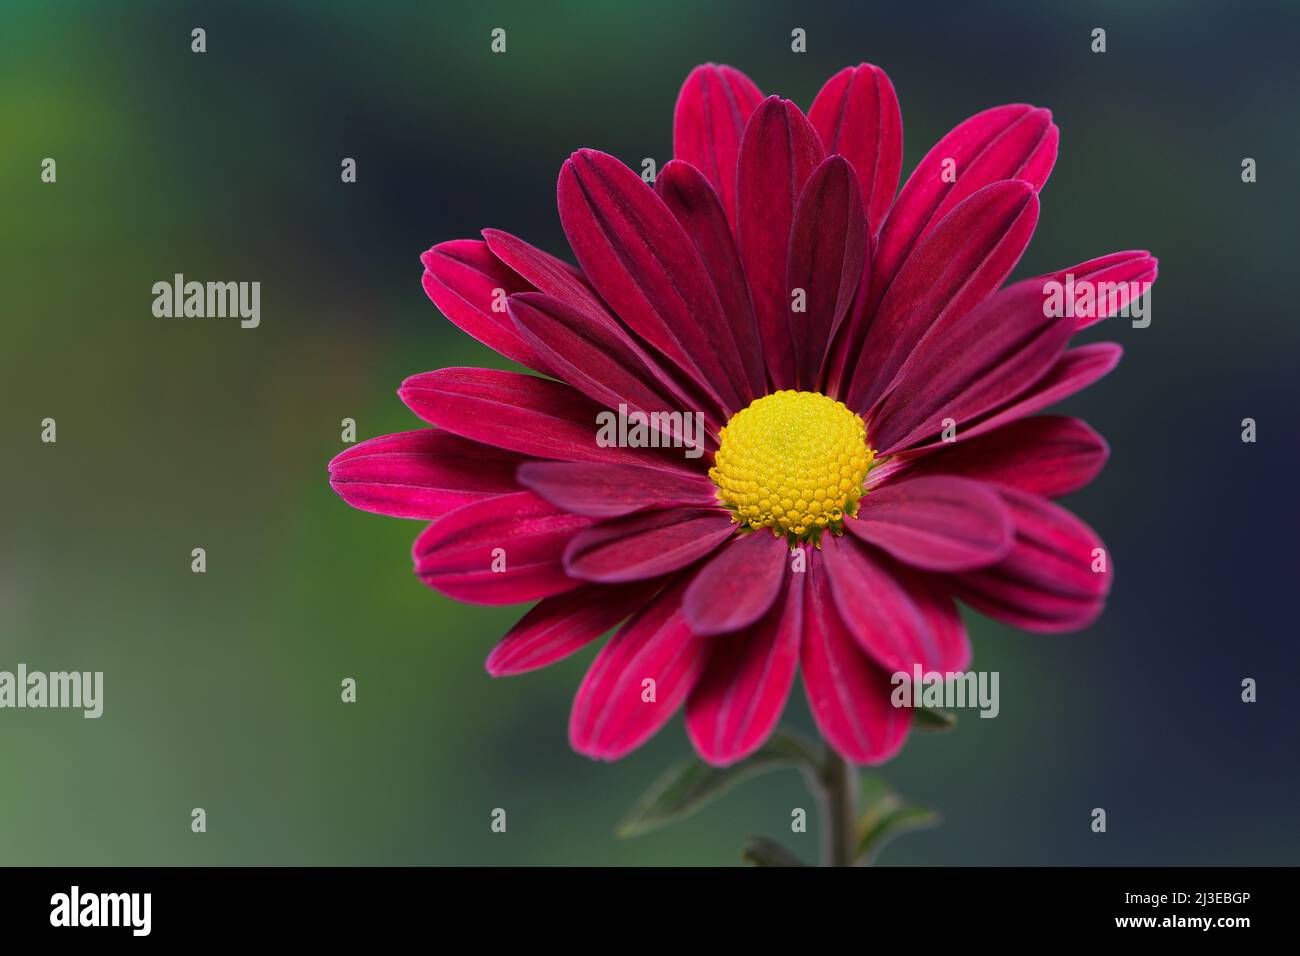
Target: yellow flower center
<point>793,462</point>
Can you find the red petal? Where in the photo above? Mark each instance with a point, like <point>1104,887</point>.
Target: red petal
<point>520,533</point>
<point>695,205</point>
<point>611,713</point>
<point>737,585</point>
<point>523,413</point>
<point>957,265</point>
<point>970,365</point>
<point>470,285</point>
<point>565,623</point>
<point>1046,582</point>
<point>739,697</point>
<point>646,545</point>
<point>935,523</point>
<point>1050,455</point>
<point>712,109</point>
<point>856,114</point>
<point>421,474</point>
<point>899,617</point>
<point>828,248</point>
<point>848,693</point>
<point>779,151</point>
<point>607,491</point>
<point>982,153</point>
<point>645,266</point>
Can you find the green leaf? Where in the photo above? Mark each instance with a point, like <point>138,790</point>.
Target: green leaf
<point>691,784</point>
<point>887,817</point>
<point>762,851</point>
<point>935,721</point>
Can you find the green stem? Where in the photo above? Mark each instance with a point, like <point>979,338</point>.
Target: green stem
<point>837,795</point>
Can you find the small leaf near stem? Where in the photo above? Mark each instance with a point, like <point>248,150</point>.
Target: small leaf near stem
<point>762,851</point>
<point>691,784</point>
<point>887,817</point>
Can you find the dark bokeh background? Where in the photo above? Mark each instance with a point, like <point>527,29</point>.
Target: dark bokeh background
<point>222,689</point>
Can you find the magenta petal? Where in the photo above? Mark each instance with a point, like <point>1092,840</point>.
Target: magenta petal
<point>560,625</point>
<point>737,585</point>
<point>828,248</point>
<point>1025,150</point>
<point>739,697</point>
<point>1074,371</point>
<point>970,365</point>
<point>848,693</point>
<point>935,523</point>
<point>645,266</point>
<point>962,261</point>
<point>1046,583</point>
<point>899,617</point>
<point>608,491</point>
<point>421,474</point>
<point>974,154</point>
<point>646,545</point>
<point>616,710</point>
<point>695,205</point>
<point>523,413</point>
<point>548,274</point>
<point>469,284</point>
<point>779,151</point>
<point>1113,280</point>
<point>856,114</point>
<point>603,363</point>
<point>712,109</point>
<point>1049,455</point>
<point>499,550</point>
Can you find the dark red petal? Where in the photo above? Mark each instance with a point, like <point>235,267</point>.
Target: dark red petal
<point>739,698</point>
<point>520,535</point>
<point>849,694</point>
<point>645,266</point>
<point>737,585</point>
<point>470,285</point>
<point>982,154</point>
<point>1113,278</point>
<point>565,623</point>
<point>1074,371</point>
<point>779,151</point>
<point>548,274</point>
<point>646,545</point>
<point>970,365</point>
<point>712,109</point>
<point>828,248</point>
<point>614,711</point>
<point>603,363</point>
<point>899,617</point>
<point>856,114</point>
<point>607,491</point>
<point>1047,582</point>
<point>935,523</point>
<point>691,199</point>
<point>962,261</point>
<point>1049,455</point>
<point>533,416</point>
<point>421,474</point>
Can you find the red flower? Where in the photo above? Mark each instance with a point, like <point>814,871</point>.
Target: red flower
<point>831,337</point>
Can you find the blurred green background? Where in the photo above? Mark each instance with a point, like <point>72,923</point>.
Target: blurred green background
<point>222,689</point>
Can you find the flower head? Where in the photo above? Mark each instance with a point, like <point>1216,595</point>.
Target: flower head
<point>867,392</point>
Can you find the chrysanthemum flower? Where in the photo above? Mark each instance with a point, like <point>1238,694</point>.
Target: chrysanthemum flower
<point>836,339</point>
